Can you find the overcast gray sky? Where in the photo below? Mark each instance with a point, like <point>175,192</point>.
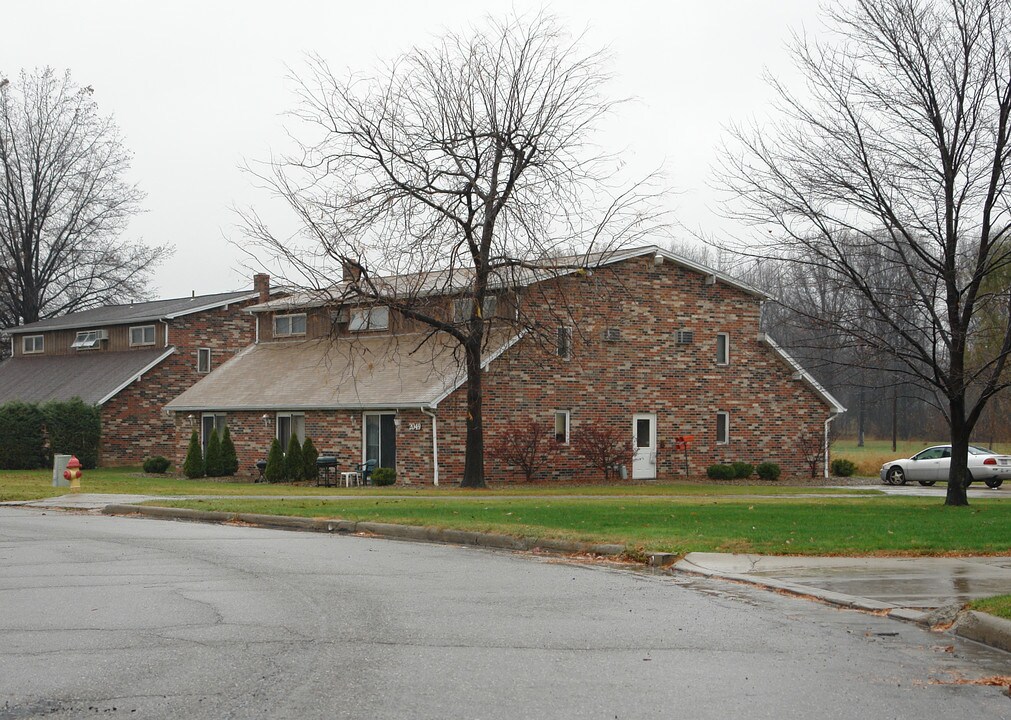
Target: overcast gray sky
<point>198,87</point>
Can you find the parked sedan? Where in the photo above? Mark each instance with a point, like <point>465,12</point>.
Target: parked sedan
<point>930,465</point>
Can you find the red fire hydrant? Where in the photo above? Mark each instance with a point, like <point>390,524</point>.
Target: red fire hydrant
<point>73,473</point>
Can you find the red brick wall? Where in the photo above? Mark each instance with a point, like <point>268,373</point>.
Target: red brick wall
<point>644,372</point>
<point>133,425</point>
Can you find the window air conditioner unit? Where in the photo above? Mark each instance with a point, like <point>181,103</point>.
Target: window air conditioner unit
<point>685,337</point>
<point>612,334</point>
<point>103,334</point>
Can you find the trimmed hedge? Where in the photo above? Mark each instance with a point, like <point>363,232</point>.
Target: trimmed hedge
<point>768,471</point>
<point>293,469</point>
<point>720,472</point>
<point>742,469</point>
<point>21,437</point>
<point>75,428</point>
<point>213,465</point>
<point>193,466</point>
<point>384,476</point>
<point>156,465</point>
<point>274,471</point>
<point>229,460</point>
<point>309,456</point>
<point>843,467</point>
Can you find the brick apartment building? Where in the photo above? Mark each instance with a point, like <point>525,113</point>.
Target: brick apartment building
<point>647,342</point>
<point>130,360</point>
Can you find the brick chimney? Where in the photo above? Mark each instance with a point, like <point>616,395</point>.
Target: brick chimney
<point>351,270</point>
<point>261,284</point>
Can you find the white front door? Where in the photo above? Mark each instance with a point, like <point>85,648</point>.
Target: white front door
<point>644,446</point>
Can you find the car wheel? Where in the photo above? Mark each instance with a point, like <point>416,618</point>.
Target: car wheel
<point>926,483</point>
<point>895,476</point>
<point>968,479</point>
<point>994,483</point>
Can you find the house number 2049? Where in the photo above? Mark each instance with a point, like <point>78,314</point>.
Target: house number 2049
<point>413,426</point>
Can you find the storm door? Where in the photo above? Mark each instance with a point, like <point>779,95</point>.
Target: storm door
<point>381,439</point>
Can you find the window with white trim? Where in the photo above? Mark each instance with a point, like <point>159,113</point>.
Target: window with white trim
<point>564,342</point>
<point>289,424</point>
<point>142,335</point>
<point>31,344</point>
<point>88,339</point>
<point>203,360</point>
<point>289,325</point>
<point>462,308</point>
<point>722,428</point>
<point>373,318</point>
<point>722,348</point>
<point>562,426</point>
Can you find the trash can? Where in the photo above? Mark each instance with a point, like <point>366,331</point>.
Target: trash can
<point>59,465</point>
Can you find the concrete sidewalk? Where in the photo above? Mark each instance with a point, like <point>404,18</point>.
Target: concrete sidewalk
<point>931,591</point>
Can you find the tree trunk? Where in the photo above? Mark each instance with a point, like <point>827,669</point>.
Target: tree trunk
<point>957,494</point>
<point>473,464</point>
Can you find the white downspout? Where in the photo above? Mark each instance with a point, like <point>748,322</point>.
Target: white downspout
<point>165,323</point>
<point>435,446</point>
<point>831,418</point>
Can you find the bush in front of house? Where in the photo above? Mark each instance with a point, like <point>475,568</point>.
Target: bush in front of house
<point>274,472</point>
<point>768,471</point>
<point>229,460</point>
<point>309,457</point>
<point>213,466</point>
<point>742,469</point>
<point>720,472</point>
<point>604,447</point>
<point>293,469</point>
<point>193,466</point>
<point>74,428</point>
<point>843,467</point>
<point>383,476</point>
<point>156,465</point>
<point>527,445</point>
<point>21,437</point>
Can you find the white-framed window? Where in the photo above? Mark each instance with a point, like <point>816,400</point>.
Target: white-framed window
<point>722,348</point>
<point>203,360</point>
<point>373,318</point>
<point>211,421</point>
<point>289,324</point>
<point>289,424</point>
<point>462,308</point>
<point>564,342</point>
<point>562,426</point>
<point>722,427</point>
<point>142,335</point>
<point>31,344</point>
<point>88,339</point>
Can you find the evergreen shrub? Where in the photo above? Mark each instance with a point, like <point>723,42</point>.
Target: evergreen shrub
<point>156,465</point>
<point>768,471</point>
<point>274,471</point>
<point>384,476</point>
<point>720,472</point>
<point>193,466</point>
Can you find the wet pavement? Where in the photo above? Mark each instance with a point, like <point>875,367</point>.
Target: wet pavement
<point>916,583</point>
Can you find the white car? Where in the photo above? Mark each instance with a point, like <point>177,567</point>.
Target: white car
<point>930,465</point>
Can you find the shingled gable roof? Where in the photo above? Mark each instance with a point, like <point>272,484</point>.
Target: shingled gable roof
<point>388,371</point>
<point>448,282</point>
<point>93,377</point>
<point>135,312</point>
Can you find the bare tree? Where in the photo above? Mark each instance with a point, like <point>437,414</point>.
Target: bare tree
<point>899,151</point>
<point>475,158</point>
<point>64,203</point>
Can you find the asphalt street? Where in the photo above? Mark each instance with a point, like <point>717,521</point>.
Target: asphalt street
<point>104,616</point>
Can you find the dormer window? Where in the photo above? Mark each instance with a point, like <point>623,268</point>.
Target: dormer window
<point>374,318</point>
<point>289,325</point>
<point>142,335</point>
<point>88,339</point>
<point>32,344</point>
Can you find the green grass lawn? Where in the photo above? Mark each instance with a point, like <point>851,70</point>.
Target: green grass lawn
<point>875,453</point>
<point>29,485</point>
<point>815,526</point>
<point>999,605</point>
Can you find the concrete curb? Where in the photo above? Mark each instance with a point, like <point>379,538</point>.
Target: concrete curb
<point>386,530</point>
<point>984,628</point>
